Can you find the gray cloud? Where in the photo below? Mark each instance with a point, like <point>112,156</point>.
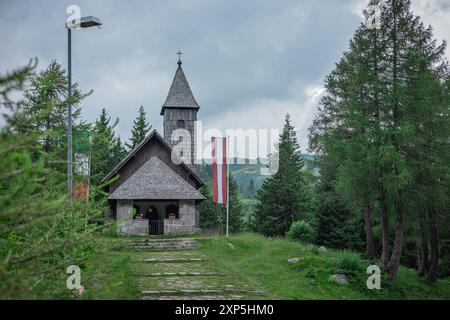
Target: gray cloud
<point>248,62</point>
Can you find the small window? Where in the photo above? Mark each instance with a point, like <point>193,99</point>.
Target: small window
<point>172,212</point>
<point>181,124</point>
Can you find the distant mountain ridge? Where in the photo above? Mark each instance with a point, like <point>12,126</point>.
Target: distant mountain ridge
<point>244,171</point>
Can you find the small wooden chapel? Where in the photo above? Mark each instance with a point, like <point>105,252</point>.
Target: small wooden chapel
<point>151,194</point>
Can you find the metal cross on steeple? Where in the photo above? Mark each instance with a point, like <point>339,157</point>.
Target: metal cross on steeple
<point>179,53</point>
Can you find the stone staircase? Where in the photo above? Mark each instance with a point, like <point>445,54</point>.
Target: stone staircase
<point>161,244</point>
<point>172,269</point>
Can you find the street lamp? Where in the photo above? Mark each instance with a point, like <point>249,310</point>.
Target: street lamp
<point>85,22</point>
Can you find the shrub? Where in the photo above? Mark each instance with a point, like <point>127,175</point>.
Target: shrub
<point>350,263</point>
<point>302,231</point>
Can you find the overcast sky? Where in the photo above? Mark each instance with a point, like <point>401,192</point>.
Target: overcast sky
<point>248,61</point>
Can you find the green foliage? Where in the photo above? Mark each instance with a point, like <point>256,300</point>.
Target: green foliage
<point>263,261</point>
<point>213,216</point>
<point>41,234</point>
<point>236,223</point>
<point>283,197</point>
<point>335,223</point>
<point>302,231</point>
<point>209,212</point>
<point>350,263</point>
<point>139,130</point>
<point>106,149</point>
<point>381,134</point>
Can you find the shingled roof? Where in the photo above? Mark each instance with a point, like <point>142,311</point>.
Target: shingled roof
<point>180,94</point>
<point>156,181</point>
<point>153,135</point>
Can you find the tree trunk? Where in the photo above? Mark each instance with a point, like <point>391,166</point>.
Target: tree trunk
<point>370,247</point>
<point>434,244</point>
<point>394,262</point>
<point>384,228</point>
<point>422,250</point>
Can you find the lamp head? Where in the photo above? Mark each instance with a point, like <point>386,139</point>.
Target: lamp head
<point>85,22</point>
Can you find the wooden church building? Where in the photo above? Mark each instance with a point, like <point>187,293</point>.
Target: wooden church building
<point>151,194</point>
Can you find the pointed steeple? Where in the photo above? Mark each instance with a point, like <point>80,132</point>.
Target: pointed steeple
<point>180,94</point>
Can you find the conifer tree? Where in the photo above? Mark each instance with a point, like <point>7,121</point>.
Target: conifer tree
<point>282,197</point>
<point>236,222</point>
<point>44,111</point>
<point>210,215</point>
<point>40,232</point>
<point>106,149</point>
<point>139,130</point>
<point>251,189</point>
<point>372,125</point>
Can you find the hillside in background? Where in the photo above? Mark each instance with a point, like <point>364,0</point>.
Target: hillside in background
<point>248,175</point>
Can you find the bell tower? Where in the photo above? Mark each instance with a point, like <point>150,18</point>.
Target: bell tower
<point>179,113</point>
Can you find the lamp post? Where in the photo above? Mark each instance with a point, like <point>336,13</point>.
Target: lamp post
<point>85,22</point>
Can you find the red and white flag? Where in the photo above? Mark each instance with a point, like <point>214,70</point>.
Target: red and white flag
<point>219,170</point>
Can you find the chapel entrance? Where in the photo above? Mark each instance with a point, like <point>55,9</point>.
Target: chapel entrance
<point>155,223</point>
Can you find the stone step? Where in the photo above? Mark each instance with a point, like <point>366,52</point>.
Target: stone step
<point>167,245</point>
<point>181,274</point>
<point>171,260</point>
<point>197,292</point>
<point>197,297</point>
<point>150,240</point>
<point>173,248</point>
<point>159,245</point>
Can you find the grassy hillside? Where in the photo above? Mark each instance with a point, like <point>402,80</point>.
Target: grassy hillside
<point>264,262</point>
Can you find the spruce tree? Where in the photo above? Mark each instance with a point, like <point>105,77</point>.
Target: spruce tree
<point>106,149</point>
<point>236,221</point>
<point>139,130</point>
<point>210,215</point>
<point>282,197</point>
<point>251,189</point>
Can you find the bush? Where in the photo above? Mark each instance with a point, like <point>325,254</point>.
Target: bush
<point>350,263</point>
<point>302,231</point>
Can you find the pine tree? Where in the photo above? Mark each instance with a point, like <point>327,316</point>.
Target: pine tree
<point>106,149</point>
<point>236,222</point>
<point>282,197</point>
<point>210,215</point>
<point>251,189</point>
<point>118,151</point>
<point>140,129</point>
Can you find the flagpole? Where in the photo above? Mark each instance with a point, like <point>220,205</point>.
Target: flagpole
<point>228,185</point>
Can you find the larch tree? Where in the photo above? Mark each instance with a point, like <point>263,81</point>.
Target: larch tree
<point>44,111</point>
<point>383,117</point>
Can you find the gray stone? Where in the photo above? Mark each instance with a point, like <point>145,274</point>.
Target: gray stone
<point>294,260</point>
<point>340,279</point>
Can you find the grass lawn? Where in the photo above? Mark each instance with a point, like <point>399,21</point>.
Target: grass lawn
<point>264,262</point>
<point>108,275</point>
<point>261,263</point>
